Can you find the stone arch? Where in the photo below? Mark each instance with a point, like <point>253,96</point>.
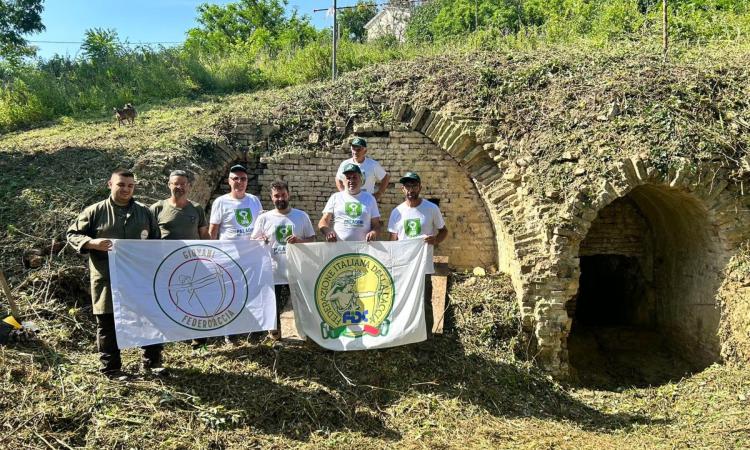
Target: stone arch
<point>312,180</point>
<point>537,242</point>
<point>451,159</point>
<point>694,223</point>
<point>476,148</point>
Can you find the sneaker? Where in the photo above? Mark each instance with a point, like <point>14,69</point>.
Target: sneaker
<point>116,375</point>
<point>230,340</point>
<point>275,335</point>
<point>160,372</point>
<point>154,369</point>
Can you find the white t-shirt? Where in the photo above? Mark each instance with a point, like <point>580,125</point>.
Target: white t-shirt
<point>352,214</point>
<point>372,171</point>
<point>277,227</point>
<point>236,218</point>
<point>417,223</point>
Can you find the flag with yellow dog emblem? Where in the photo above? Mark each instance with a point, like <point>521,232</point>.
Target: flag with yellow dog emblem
<point>359,295</point>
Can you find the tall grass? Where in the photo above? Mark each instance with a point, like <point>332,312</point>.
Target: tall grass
<point>41,91</point>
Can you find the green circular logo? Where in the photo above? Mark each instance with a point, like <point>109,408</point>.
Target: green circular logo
<point>354,296</point>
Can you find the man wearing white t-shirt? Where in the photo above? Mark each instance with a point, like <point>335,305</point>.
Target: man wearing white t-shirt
<point>279,227</point>
<point>371,170</point>
<point>233,215</point>
<point>417,218</point>
<point>352,214</point>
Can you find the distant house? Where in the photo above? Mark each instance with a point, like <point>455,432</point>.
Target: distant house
<point>389,21</point>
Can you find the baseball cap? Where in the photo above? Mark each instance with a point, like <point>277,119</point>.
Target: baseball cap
<point>359,142</point>
<point>410,176</point>
<point>238,168</point>
<point>351,168</point>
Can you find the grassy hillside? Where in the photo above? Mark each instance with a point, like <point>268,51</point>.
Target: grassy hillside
<point>472,387</point>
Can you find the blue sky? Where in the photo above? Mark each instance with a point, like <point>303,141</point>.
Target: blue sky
<point>138,20</point>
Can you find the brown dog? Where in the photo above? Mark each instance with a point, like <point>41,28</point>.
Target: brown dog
<point>126,114</point>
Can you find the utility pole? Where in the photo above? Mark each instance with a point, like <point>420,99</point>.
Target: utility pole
<point>336,40</point>
<point>335,36</point>
<point>665,29</point>
<point>476,15</point>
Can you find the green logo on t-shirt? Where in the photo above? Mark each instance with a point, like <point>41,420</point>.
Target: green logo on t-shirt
<point>412,227</point>
<point>244,216</point>
<point>282,233</point>
<point>353,209</point>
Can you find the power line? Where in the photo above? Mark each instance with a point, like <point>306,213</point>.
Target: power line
<point>415,2</point>
<point>122,43</point>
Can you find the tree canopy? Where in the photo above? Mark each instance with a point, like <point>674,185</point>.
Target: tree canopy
<point>18,17</point>
<point>251,25</point>
<point>691,19</point>
<point>100,44</point>
<point>353,20</point>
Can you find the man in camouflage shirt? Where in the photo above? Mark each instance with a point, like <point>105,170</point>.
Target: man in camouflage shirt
<point>117,217</point>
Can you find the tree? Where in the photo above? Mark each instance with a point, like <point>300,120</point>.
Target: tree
<point>249,24</point>
<point>353,20</point>
<point>443,18</point>
<point>100,44</point>
<point>18,17</point>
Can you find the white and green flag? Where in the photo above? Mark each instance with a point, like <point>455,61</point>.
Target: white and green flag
<point>359,295</point>
<point>165,291</point>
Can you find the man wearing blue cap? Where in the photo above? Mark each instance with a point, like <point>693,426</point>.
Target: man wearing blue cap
<point>352,214</point>
<point>417,218</point>
<point>370,169</point>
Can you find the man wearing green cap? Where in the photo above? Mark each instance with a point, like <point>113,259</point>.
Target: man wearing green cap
<point>417,218</point>
<point>353,212</point>
<point>117,217</point>
<point>371,170</point>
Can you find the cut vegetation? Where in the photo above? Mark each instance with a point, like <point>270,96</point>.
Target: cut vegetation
<point>476,386</point>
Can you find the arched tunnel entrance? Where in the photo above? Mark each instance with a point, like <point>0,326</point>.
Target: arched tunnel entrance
<point>645,311</point>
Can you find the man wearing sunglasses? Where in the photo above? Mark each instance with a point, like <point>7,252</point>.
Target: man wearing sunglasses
<point>233,215</point>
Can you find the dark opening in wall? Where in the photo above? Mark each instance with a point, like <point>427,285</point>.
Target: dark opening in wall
<point>645,311</point>
<point>613,292</point>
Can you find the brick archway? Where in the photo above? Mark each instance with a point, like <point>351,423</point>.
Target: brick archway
<point>534,241</point>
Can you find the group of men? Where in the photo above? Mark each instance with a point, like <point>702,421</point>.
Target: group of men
<point>351,214</point>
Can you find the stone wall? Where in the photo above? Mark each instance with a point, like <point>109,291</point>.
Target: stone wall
<point>695,217</point>
<point>619,229</point>
<point>311,178</point>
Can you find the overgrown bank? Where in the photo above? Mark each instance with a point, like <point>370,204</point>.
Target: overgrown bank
<point>472,387</point>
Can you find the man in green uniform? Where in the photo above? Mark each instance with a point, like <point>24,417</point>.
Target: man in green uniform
<point>181,218</point>
<point>117,217</point>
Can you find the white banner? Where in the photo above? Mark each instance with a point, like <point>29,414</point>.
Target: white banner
<point>359,295</point>
<point>165,291</point>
